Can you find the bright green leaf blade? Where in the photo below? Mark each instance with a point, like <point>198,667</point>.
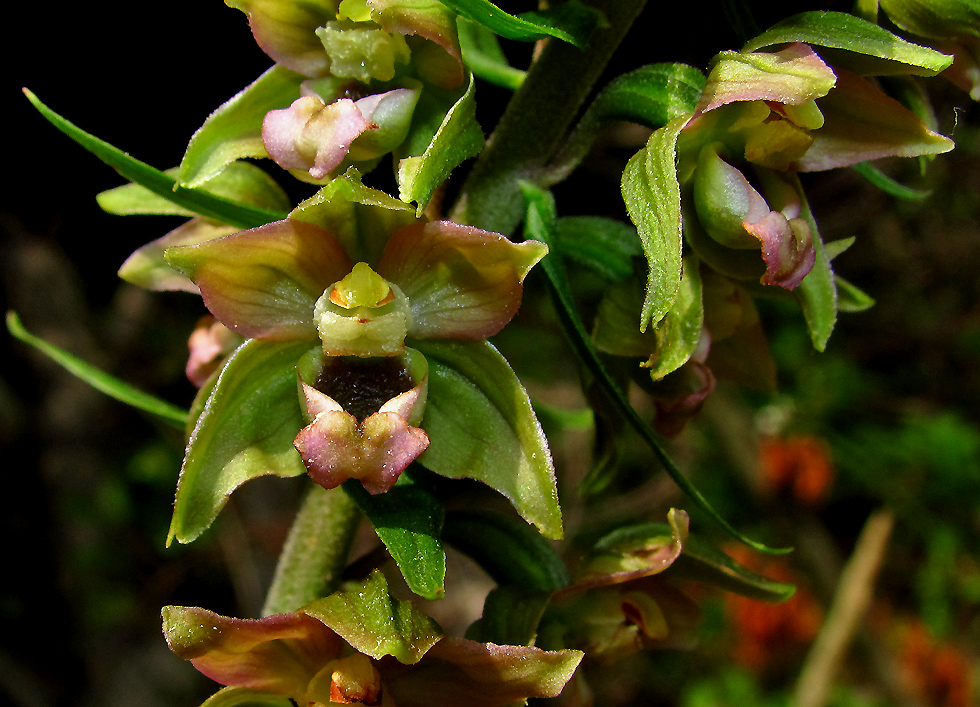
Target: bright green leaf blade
<point>110,385</point>
<point>245,697</point>
<point>234,130</point>
<point>653,199</point>
<point>571,22</point>
<point>540,226</point>
<point>509,550</point>
<point>482,54</point>
<point>603,245</point>
<point>881,51</point>
<point>246,431</point>
<point>481,426</point>
<point>889,185</point>
<point>240,181</point>
<point>817,293</point>
<point>408,519</point>
<point>510,617</point>
<point>458,138</point>
<point>375,624</point>
<point>196,201</point>
<point>679,332</point>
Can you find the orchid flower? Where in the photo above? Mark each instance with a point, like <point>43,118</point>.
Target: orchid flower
<point>359,647</point>
<point>361,65</point>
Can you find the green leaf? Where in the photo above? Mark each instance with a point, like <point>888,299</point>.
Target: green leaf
<point>458,138</point>
<point>889,185</point>
<point>817,293</point>
<point>100,380</point>
<point>375,624</point>
<point>240,181</point>
<point>510,617</point>
<point>481,426</point>
<point>880,52</point>
<point>539,225</point>
<point>507,549</point>
<point>246,431</point>
<point>234,130</point>
<point>571,21</point>
<point>703,563</point>
<point>408,519</point>
<point>605,246</point>
<point>653,199</point>
<point>850,298</point>
<point>245,697</point>
<point>197,201</point>
<point>482,53</point>
<point>652,95</point>
<point>679,332</point>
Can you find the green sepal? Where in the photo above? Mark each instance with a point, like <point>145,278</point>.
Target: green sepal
<point>458,138</point>
<point>197,201</point>
<point>653,199</point>
<point>234,129</point>
<point>604,245</point>
<point>245,697</point>
<point>540,225</point>
<point>245,431</point>
<point>864,47</point>
<point>374,623</point>
<point>817,293</point>
<point>98,379</point>
<point>409,521</point>
<point>481,426</point>
<point>510,616</point>
<point>239,181</point>
<point>483,55</point>
<point>507,549</point>
<point>571,21</point>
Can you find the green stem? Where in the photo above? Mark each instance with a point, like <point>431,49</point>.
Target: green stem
<point>315,551</point>
<point>536,121</point>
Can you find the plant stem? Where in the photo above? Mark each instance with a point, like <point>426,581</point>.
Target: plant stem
<point>315,551</point>
<point>537,119</point>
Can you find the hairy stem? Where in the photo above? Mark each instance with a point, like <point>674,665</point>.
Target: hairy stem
<point>536,121</point>
<point>315,551</point>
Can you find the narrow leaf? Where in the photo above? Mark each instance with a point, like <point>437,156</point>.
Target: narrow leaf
<point>571,21</point>
<point>882,52</point>
<point>482,53</point>
<point>817,293</point>
<point>540,226</point>
<point>852,299</point>
<point>481,426</point>
<point>196,201</point>
<point>652,95</point>
<point>605,246</point>
<point>703,563</point>
<point>100,380</point>
<point>653,199</point>
<point>889,185</point>
<point>507,549</point>
<point>458,138</point>
<point>246,431</point>
<point>408,519</point>
<point>510,617</point>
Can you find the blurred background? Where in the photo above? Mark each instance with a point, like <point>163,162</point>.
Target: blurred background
<point>885,421</point>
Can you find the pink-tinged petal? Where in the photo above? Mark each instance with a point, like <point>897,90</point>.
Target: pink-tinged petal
<point>147,267</point>
<point>391,113</point>
<point>264,282</point>
<point>336,446</point>
<point>793,75</point>
<point>787,248</point>
<point>286,31</point>
<point>461,282</point>
<point>440,63</point>
<point>279,654</point>
<point>209,343</point>
<point>457,672</point>
<point>311,136</point>
<point>862,124</point>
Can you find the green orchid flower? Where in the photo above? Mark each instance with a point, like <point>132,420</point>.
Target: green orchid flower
<point>358,647</point>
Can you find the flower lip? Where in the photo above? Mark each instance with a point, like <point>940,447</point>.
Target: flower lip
<point>361,386</point>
